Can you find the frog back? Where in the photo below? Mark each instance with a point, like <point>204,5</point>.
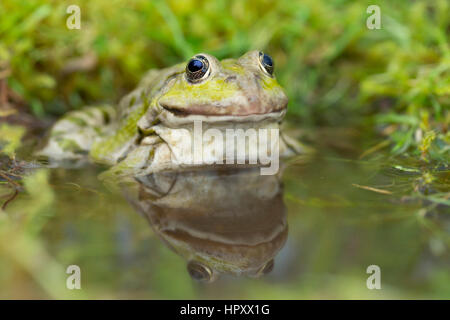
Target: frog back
<point>131,108</point>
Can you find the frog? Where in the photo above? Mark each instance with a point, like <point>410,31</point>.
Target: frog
<point>216,232</point>
<point>152,128</point>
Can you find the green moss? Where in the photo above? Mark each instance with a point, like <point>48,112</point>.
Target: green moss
<point>10,138</point>
<point>335,70</point>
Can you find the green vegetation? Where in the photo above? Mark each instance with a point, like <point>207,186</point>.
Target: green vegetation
<point>376,101</point>
<point>333,67</point>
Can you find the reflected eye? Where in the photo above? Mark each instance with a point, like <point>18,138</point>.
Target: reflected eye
<point>266,63</point>
<point>197,69</point>
<point>267,268</point>
<point>199,272</point>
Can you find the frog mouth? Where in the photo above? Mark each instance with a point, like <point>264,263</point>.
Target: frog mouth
<point>177,112</point>
<point>207,113</point>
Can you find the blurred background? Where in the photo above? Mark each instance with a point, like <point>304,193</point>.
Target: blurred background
<point>374,104</point>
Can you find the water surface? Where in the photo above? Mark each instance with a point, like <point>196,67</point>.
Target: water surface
<point>312,232</point>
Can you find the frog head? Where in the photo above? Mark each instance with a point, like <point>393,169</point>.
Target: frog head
<point>210,90</point>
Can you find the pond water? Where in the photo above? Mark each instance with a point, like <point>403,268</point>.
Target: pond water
<point>311,232</point>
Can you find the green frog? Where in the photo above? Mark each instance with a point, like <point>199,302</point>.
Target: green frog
<point>153,127</point>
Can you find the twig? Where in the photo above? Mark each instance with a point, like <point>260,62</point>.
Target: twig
<point>13,196</point>
<point>372,189</point>
<point>376,147</point>
<point>5,176</point>
<point>3,94</point>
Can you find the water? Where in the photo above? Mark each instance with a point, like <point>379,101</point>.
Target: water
<point>311,232</point>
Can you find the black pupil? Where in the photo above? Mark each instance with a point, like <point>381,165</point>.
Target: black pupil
<point>195,65</point>
<point>267,60</point>
<point>197,274</point>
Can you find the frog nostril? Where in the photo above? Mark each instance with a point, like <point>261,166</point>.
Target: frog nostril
<point>251,99</point>
<point>230,78</point>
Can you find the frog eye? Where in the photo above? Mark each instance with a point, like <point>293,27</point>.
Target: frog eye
<point>199,272</point>
<point>197,68</point>
<point>266,63</point>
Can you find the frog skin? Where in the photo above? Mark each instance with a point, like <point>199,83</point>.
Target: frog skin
<point>148,129</point>
<point>216,231</point>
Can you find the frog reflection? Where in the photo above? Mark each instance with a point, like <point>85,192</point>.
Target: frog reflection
<point>221,221</point>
